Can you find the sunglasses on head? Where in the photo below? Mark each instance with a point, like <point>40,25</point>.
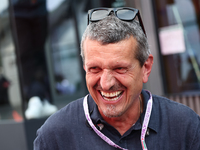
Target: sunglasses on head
<point>123,13</point>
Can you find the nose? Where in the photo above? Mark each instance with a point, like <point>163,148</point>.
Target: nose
<point>107,80</point>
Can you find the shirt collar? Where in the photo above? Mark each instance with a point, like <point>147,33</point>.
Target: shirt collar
<point>93,110</point>
<point>153,123</point>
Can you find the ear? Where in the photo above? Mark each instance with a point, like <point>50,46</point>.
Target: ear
<point>147,68</point>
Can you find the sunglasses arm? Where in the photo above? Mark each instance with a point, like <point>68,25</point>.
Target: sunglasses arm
<point>141,24</point>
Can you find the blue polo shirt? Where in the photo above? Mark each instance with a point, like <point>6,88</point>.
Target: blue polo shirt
<point>172,126</point>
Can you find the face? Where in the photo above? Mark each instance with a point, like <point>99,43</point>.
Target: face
<point>114,77</point>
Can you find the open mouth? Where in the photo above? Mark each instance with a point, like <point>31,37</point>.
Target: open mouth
<point>112,96</point>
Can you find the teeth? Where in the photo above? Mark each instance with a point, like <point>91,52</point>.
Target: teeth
<point>111,96</point>
<point>113,99</point>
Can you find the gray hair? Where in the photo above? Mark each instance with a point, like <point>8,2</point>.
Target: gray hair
<point>113,30</point>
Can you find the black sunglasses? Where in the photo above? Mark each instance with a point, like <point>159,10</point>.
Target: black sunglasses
<point>123,13</point>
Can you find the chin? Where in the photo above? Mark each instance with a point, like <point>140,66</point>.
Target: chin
<point>111,112</point>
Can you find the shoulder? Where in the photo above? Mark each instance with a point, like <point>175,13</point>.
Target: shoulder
<point>61,126</point>
<point>66,115</point>
<point>172,107</point>
<point>176,115</point>
<point>173,117</point>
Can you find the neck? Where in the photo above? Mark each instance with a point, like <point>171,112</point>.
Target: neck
<point>128,119</point>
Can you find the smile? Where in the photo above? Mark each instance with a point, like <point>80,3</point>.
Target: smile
<point>113,96</point>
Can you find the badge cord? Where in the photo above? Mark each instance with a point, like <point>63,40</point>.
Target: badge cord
<point>146,122</point>
<point>106,139</point>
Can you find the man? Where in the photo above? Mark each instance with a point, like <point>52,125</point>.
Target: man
<point>118,114</point>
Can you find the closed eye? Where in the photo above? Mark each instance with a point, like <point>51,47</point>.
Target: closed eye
<point>94,69</point>
<point>121,70</point>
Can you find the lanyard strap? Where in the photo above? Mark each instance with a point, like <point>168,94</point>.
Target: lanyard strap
<point>146,121</point>
<point>105,138</point>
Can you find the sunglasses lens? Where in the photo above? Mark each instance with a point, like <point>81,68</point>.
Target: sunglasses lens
<point>98,15</point>
<point>126,14</point>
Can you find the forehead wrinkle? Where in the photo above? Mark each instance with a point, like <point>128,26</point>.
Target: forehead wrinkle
<point>106,51</point>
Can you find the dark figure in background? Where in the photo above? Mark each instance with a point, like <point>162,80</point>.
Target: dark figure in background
<point>4,85</point>
<point>31,21</point>
<point>103,3</point>
<point>107,3</point>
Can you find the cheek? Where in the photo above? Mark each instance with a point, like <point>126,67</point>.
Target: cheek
<point>91,80</point>
<point>126,79</point>
<point>130,81</point>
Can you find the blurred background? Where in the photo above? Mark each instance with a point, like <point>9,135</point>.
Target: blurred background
<point>41,68</point>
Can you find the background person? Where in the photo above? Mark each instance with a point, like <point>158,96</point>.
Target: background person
<point>31,21</point>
